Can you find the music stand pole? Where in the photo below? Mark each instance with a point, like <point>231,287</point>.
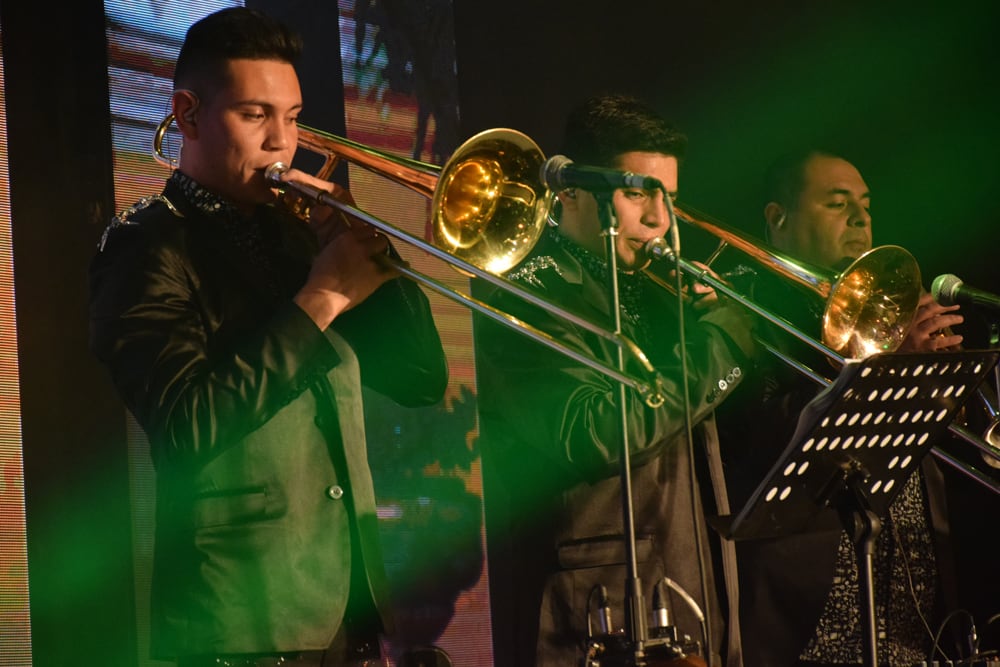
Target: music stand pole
<point>863,526</point>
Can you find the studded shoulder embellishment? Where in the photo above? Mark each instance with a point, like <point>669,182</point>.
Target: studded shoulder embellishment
<point>122,218</point>
<point>526,272</point>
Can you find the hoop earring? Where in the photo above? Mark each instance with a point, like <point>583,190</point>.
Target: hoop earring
<point>554,214</point>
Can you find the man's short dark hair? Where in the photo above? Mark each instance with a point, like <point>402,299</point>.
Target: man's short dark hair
<point>230,34</point>
<point>603,128</point>
<point>785,177</point>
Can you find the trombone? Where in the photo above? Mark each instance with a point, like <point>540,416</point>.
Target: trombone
<point>869,308</point>
<point>489,209</point>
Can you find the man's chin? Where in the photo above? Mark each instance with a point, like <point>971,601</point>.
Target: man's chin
<point>634,265</point>
<point>855,250</point>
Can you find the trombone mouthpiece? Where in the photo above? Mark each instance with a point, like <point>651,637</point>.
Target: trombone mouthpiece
<point>273,173</point>
<point>658,248</point>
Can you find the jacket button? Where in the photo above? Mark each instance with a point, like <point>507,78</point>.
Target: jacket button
<point>723,385</point>
<point>335,492</point>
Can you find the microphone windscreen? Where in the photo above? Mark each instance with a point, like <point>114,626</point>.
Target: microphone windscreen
<point>944,289</point>
<point>551,172</point>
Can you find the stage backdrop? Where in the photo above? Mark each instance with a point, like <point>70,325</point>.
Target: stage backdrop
<point>908,90</point>
<point>383,74</point>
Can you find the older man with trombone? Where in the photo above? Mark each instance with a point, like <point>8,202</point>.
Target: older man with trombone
<point>800,592</point>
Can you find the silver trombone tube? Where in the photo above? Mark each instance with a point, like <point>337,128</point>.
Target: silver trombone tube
<point>658,248</point>
<point>650,389</point>
<point>965,468</point>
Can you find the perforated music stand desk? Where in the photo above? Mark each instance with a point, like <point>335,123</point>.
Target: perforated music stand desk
<point>856,445</point>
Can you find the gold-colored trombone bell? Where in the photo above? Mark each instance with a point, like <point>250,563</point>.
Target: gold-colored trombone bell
<point>872,303</point>
<point>490,206</point>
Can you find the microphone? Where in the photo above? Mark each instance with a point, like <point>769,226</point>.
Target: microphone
<point>604,610</point>
<point>559,173</point>
<point>661,614</point>
<point>948,290</point>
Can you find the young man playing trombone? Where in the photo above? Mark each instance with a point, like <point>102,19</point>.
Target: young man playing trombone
<point>550,427</point>
<point>238,336</point>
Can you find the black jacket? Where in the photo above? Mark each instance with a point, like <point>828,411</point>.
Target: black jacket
<point>552,488</point>
<point>254,416</point>
<point>785,581</point>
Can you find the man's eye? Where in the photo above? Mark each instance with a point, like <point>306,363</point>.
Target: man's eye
<point>635,194</point>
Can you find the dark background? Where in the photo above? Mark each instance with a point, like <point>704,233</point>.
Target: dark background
<point>906,91</point>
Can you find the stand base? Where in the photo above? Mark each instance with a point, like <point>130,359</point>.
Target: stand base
<point>616,651</point>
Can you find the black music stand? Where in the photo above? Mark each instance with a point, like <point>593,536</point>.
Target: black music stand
<point>856,445</point>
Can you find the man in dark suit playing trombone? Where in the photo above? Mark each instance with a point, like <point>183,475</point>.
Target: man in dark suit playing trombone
<point>550,426</point>
<point>799,594</point>
<point>239,336</point>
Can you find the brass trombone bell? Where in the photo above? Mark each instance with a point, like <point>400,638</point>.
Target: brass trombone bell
<point>872,303</point>
<point>489,207</point>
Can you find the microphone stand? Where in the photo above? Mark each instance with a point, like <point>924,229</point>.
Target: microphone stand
<point>635,618</point>
<point>675,244</point>
<point>636,627</point>
<point>994,344</point>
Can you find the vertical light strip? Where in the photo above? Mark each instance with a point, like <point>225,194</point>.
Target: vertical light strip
<point>15,622</point>
<point>143,41</point>
<point>401,99</point>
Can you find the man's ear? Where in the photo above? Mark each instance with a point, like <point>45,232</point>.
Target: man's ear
<point>774,218</point>
<point>185,108</point>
